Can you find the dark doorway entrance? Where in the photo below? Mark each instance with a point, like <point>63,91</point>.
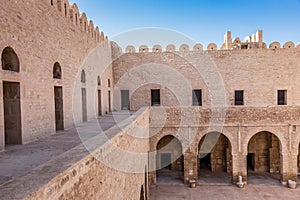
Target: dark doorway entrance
<point>12,113</point>
<point>125,99</point>
<point>166,160</point>
<point>109,102</point>
<point>170,161</point>
<point>205,161</point>
<point>99,103</point>
<point>250,161</point>
<point>84,106</point>
<point>264,159</point>
<point>142,194</point>
<point>59,111</point>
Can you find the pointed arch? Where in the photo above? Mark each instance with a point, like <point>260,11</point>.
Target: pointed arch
<point>215,153</point>
<point>10,60</point>
<point>57,74</point>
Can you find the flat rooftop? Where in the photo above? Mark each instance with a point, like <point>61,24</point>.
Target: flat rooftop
<point>59,150</point>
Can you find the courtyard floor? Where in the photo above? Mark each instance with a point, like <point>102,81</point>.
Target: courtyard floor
<point>207,192</point>
<point>218,186</point>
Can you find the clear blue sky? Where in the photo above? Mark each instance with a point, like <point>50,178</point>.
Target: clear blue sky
<point>204,21</point>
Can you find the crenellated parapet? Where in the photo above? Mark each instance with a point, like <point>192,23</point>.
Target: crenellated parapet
<point>79,20</point>
<point>250,42</point>
<point>156,48</point>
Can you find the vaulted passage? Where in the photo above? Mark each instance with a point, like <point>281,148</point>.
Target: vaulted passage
<point>215,159</point>
<point>12,113</point>
<point>169,160</point>
<point>263,160</point>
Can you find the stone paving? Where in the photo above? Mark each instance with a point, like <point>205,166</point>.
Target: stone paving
<point>251,192</point>
<point>18,160</point>
<point>211,186</point>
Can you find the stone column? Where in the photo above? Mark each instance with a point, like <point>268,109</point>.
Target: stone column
<point>239,167</point>
<point>190,166</point>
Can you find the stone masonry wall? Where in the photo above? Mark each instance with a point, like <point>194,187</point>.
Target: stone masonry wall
<point>42,34</point>
<point>259,72</point>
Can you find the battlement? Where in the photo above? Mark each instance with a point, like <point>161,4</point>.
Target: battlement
<point>250,42</point>
<point>79,20</point>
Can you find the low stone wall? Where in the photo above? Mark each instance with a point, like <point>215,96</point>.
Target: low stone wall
<point>115,170</point>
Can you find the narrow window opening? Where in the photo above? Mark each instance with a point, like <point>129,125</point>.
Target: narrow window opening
<point>76,19</point>
<point>239,98</point>
<point>51,2</point>
<point>65,9</point>
<point>108,82</point>
<point>98,81</point>
<point>282,97</point>
<point>83,80</point>
<point>155,97</point>
<point>197,97</point>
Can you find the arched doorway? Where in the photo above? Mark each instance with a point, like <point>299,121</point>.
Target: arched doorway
<point>58,98</point>
<point>215,159</point>
<point>83,96</point>
<point>263,159</point>
<point>169,159</point>
<point>11,99</point>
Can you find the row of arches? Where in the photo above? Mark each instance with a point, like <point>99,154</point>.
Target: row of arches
<point>215,158</point>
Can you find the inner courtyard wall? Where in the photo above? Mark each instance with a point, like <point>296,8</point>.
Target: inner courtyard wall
<point>259,72</point>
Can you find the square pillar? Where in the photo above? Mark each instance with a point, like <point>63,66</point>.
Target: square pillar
<point>239,167</point>
<point>190,166</point>
<point>288,167</point>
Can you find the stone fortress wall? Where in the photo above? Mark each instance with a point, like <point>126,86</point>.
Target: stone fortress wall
<point>50,35</point>
<point>42,33</point>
